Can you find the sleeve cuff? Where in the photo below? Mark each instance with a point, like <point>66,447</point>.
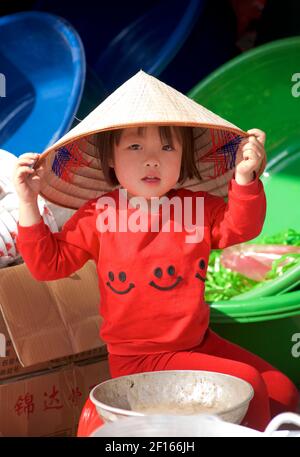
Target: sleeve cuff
<point>33,232</point>
<point>252,188</point>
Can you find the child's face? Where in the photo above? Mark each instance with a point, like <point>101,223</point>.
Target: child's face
<point>138,156</point>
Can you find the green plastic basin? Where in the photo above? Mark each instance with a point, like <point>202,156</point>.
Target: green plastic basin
<point>269,328</point>
<point>256,90</point>
<point>282,186</point>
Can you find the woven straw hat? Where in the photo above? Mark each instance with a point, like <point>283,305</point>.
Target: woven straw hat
<point>73,173</point>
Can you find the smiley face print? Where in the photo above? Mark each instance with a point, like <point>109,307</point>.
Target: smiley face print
<point>170,274</point>
<point>122,279</point>
<point>201,275</point>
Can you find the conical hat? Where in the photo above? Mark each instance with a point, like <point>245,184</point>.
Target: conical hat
<point>73,173</point>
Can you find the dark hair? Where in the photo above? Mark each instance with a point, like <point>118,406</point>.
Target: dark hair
<point>105,142</point>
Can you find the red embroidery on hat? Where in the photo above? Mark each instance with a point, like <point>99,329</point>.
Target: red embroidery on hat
<point>223,152</point>
<point>2,254</point>
<point>68,159</point>
<point>8,246</point>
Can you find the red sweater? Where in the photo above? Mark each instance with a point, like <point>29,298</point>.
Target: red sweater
<point>151,283</point>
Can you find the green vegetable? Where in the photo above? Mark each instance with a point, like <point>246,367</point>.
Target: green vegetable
<point>278,269</point>
<point>289,237</point>
<point>223,284</point>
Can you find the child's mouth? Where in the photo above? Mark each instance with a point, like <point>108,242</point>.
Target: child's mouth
<point>151,180</point>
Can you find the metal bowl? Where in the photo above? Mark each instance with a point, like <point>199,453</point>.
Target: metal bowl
<point>175,392</point>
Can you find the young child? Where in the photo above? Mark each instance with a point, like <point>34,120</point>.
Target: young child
<point>147,141</point>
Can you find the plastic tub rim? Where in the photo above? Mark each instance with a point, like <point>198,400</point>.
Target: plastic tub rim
<point>241,58</point>
<point>261,309</point>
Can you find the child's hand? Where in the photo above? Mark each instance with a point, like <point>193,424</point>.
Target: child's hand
<point>250,155</point>
<point>27,180</point>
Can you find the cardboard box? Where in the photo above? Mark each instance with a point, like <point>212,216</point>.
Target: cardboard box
<point>46,330</point>
<point>48,404</point>
<point>47,324</point>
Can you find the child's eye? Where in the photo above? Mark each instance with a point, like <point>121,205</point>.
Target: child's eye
<point>168,147</point>
<point>134,146</point>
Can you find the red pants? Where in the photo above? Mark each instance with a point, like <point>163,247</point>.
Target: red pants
<point>274,393</point>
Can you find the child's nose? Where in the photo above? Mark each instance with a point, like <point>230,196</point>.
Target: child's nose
<point>152,162</point>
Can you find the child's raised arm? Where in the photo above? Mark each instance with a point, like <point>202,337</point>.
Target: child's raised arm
<point>27,184</point>
<point>242,218</point>
<point>48,255</point>
<point>239,220</point>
